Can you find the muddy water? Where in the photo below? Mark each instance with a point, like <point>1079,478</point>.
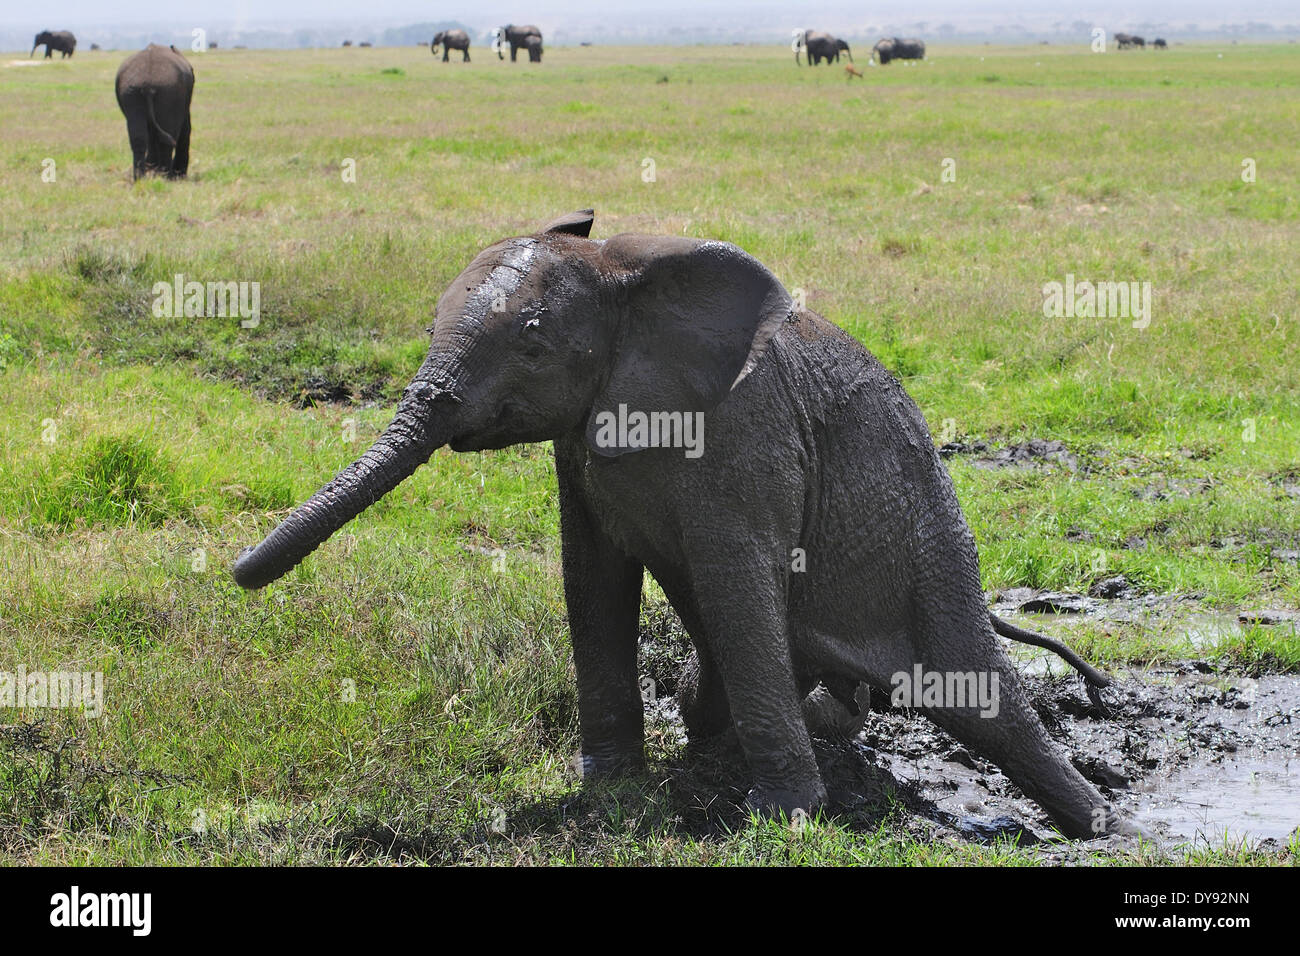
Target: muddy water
<point>1245,783</point>
<point>1193,755</point>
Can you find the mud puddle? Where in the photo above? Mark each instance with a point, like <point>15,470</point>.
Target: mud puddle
<point>1193,755</point>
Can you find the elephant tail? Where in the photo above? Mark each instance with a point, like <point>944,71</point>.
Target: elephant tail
<point>1094,678</point>
<point>153,120</point>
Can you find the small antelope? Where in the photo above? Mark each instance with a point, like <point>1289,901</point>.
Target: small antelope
<point>852,71</point>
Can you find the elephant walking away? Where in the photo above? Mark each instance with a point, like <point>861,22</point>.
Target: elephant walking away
<point>60,40</point>
<point>819,45</point>
<point>517,39</point>
<point>154,90</point>
<point>451,40</point>
<point>810,535</point>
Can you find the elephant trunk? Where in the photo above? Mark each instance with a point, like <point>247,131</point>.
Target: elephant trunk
<point>404,446</point>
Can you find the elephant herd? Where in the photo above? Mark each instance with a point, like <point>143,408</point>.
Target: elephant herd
<point>155,88</point>
<point>1126,41</point>
<point>526,38</point>
<point>819,45</point>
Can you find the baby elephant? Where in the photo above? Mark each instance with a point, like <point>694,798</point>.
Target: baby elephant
<point>154,89</point>
<point>771,475</point>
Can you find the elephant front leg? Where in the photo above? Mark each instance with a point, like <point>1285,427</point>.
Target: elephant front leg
<point>602,589</point>
<point>744,618</point>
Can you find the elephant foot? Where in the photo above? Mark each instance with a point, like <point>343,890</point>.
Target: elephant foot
<point>776,802</point>
<point>594,764</point>
<point>1116,824</point>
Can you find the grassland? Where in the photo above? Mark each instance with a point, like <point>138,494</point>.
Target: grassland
<point>397,693</point>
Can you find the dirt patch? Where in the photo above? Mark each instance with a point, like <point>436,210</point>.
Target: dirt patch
<point>1037,452</point>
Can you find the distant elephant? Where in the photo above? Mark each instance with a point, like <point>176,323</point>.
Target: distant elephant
<point>60,40</point>
<point>1159,44</point>
<point>451,40</point>
<point>347,42</point>
<point>883,51</point>
<point>819,45</point>
<point>365,43</point>
<point>533,45</point>
<point>905,50</point>
<point>154,90</point>
<point>517,38</point>
<point>1137,41</point>
<point>814,537</point>
<point>94,46</point>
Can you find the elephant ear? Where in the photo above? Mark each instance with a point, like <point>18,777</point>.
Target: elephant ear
<point>696,318</point>
<point>574,223</point>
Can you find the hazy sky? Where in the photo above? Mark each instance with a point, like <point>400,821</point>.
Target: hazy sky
<point>14,13</point>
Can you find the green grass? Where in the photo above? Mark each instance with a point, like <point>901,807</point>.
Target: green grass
<point>388,696</point>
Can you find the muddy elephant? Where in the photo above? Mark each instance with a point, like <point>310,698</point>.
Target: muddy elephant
<point>451,40</point>
<point>810,536</point>
<point>154,90</point>
<point>819,45</point>
<point>517,39</point>
<point>52,40</point>
<point>894,48</point>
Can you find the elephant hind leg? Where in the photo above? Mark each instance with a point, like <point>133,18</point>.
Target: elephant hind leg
<point>984,705</point>
<point>181,159</point>
<point>139,135</point>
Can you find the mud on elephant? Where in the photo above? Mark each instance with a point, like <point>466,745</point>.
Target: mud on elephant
<point>154,90</point>
<point>811,536</point>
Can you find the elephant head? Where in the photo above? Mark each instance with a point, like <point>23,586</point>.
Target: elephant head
<point>540,337</point>
<point>842,45</point>
<point>437,41</point>
<point>43,38</point>
<point>884,51</point>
